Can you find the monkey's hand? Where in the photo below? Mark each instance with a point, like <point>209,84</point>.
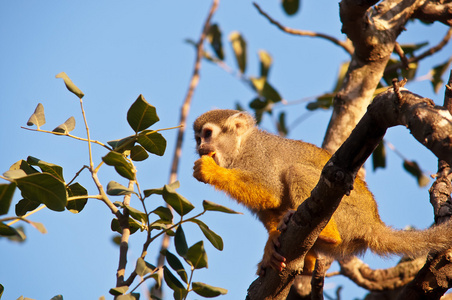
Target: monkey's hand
<point>282,226</point>
<point>205,169</point>
<point>271,257</point>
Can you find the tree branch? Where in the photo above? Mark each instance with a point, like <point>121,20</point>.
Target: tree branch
<point>346,45</point>
<point>435,278</point>
<point>430,125</point>
<point>433,11</point>
<point>380,279</point>
<point>185,110</point>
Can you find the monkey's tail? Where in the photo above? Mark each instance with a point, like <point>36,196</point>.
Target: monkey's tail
<point>412,243</point>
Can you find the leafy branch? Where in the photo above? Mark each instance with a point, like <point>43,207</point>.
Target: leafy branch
<point>42,185</point>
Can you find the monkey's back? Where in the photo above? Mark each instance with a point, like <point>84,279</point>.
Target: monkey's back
<point>357,216</point>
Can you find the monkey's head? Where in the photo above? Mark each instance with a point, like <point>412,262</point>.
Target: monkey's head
<point>221,132</point>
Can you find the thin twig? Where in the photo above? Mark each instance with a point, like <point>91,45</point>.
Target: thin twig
<point>185,110</point>
<point>188,98</point>
<point>77,174</point>
<point>68,135</point>
<point>423,55</point>
<point>346,45</point>
<point>125,234</point>
<point>26,215</point>
<point>398,49</point>
<point>91,164</point>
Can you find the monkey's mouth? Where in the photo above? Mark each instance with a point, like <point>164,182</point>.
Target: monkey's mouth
<point>212,154</point>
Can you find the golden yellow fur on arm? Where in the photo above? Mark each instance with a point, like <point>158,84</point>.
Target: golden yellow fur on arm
<point>237,184</point>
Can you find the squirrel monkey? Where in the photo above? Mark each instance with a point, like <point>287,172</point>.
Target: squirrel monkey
<point>272,175</point>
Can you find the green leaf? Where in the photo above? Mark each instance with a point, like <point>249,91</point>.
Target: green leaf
<point>391,72</point>
<point>118,290</point>
<point>122,166</point>
<point>14,174</point>
<point>137,215</point>
<point>196,256</point>
<point>324,101</point>
<point>265,63</point>
<point>413,168</point>
<point>6,230</point>
<point>2,289</point>
<point>152,141</point>
<point>265,90</point>
<point>55,170</point>
<point>39,226</point>
<point>340,76</point>
<point>117,189</point>
<point>181,205</point>
<point>159,191</point>
<point>164,213</point>
<point>24,166</point>
<point>180,242</point>
<point>57,297</point>
<point>379,157</point>
<point>121,145</point>
<point>24,206</point>
<point>179,290</point>
<point>176,265</point>
<point>211,206</point>
<point>126,297</point>
<point>410,73</point>
<point>150,192</point>
<point>70,85</point>
<point>291,6</point>
<point>214,38</point>
<point>142,267</point>
<point>38,117</point>
<point>6,196</point>
<point>207,291</point>
<point>66,127</point>
<point>239,48</point>
<point>409,49</point>
<point>44,188</point>
<point>259,104</point>
<point>141,114</point>
<point>173,282</point>
<point>138,153</point>
<point>17,234</point>
<point>77,205</point>
<point>116,240</point>
<point>213,238</point>
<point>437,72</point>
<point>160,225</point>
<point>282,127</point>
<point>133,226</point>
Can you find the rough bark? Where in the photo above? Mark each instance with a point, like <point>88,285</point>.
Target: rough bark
<point>373,32</point>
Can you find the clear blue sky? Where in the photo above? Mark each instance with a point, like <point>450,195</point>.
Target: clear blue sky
<point>116,50</point>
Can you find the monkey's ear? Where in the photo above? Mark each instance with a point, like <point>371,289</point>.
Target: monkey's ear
<point>240,122</point>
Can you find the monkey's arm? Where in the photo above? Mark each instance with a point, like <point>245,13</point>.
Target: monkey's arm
<point>239,184</point>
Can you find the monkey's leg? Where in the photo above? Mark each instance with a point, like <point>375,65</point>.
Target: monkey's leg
<point>329,237</point>
<point>239,184</point>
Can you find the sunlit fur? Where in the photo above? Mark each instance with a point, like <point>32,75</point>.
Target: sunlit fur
<point>272,175</point>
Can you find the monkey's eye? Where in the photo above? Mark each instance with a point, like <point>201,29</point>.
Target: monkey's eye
<point>207,133</point>
<point>198,140</point>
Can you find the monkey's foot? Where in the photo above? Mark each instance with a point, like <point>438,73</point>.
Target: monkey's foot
<point>271,257</point>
